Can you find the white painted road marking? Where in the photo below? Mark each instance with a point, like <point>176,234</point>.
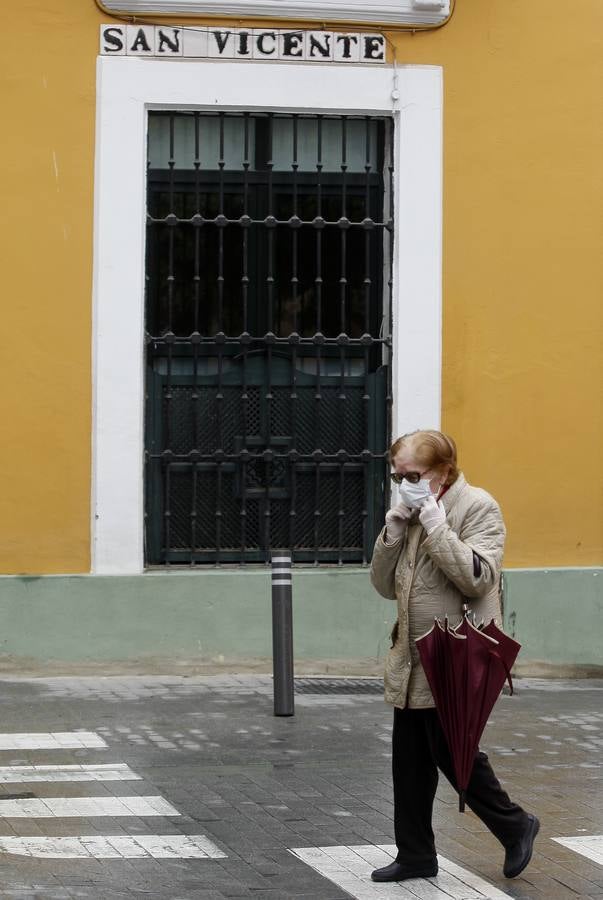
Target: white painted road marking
<point>350,869</point>
<point>28,774</point>
<point>590,846</point>
<point>155,846</point>
<point>33,808</point>
<point>53,740</point>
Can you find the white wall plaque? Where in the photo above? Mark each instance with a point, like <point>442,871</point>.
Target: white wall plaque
<point>172,41</point>
<point>391,12</point>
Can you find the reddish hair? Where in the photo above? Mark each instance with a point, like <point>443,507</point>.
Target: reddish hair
<point>432,449</point>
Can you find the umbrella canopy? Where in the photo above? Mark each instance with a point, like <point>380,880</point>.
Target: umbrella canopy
<point>507,647</point>
<point>466,668</point>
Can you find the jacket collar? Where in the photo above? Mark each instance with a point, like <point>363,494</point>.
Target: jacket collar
<point>454,492</point>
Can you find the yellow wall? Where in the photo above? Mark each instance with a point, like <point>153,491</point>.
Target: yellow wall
<point>522,271</point>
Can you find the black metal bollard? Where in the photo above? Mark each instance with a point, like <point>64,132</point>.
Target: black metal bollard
<point>282,633</point>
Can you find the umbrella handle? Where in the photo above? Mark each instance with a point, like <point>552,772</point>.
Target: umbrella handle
<point>505,667</point>
<point>469,613</point>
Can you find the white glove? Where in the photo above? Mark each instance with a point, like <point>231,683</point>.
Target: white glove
<point>395,521</point>
<point>432,514</point>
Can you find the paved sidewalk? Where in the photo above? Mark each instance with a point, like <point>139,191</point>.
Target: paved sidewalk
<point>187,787</point>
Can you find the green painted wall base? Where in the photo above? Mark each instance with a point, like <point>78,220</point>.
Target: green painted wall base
<point>557,615</point>
<point>220,620</point>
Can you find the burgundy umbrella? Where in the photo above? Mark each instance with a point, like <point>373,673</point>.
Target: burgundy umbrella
<point>507,647</point>
<point>466,668</point>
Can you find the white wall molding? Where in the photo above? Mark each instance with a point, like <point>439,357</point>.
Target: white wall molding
<point>126,89</point>
<point>417,300</point>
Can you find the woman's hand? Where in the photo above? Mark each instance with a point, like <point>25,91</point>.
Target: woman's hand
<point>395,521</point>
<point>432,514</point>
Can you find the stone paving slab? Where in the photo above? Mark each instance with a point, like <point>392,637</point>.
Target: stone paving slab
<point>257,788</point>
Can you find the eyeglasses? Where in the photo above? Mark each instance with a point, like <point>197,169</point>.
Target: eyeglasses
<point>412,477</point>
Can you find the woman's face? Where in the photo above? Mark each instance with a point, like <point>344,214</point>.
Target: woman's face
<point>405,462</point>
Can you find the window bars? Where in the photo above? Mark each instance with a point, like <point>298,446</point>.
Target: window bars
<point>268,273</point>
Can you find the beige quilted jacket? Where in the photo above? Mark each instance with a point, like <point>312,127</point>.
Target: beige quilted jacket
<point>434,575</point>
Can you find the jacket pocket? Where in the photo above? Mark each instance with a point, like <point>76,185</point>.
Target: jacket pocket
<point>396,669</point>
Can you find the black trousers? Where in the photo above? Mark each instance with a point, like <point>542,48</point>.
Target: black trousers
<point>419,750</point>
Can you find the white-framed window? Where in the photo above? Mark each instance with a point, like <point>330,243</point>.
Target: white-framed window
<point>128,89</point>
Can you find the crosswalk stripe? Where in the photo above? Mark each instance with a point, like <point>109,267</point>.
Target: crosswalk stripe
<point>155,846</point>
<point>105,772</point>
<point>590,846</point>
<point>123,846</point>
<point>51,740</point>
<point>38,807</point>
<point>350,869</point>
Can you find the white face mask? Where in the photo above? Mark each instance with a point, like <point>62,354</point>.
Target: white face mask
<point>415,495</point>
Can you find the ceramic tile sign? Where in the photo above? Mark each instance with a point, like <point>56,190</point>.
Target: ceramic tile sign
<point>171,42</point>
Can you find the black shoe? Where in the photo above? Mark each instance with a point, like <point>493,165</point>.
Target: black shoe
<point>401,871</point>
<point>518,856</point>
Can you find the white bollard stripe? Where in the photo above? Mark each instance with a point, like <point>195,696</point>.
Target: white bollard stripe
<point>350,869</point>
<point>30,774</point>
<point>53,740</point>
<point>590,846</point>
<point>281,581</point>
<point>281,572</point>
<point>281,559</point>
<point>153,846</point>
<point>44,807</point>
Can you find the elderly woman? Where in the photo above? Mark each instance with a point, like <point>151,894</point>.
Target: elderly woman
<point>442,545</point>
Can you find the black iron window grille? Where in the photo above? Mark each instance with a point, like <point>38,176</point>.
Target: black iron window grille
<point>268,298</point>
